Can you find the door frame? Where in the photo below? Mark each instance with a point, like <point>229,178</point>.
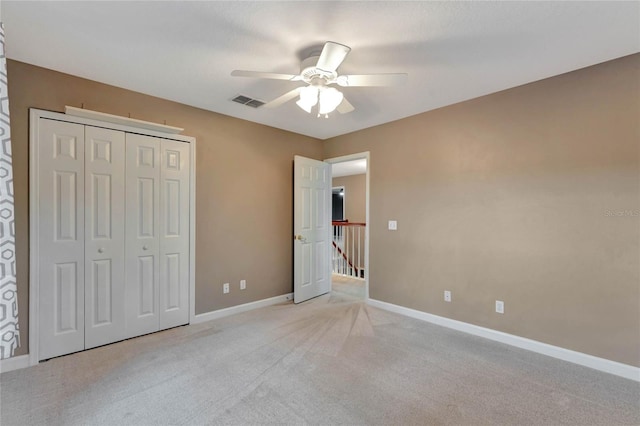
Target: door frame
<point>350,157</point>
<point>34,255</point>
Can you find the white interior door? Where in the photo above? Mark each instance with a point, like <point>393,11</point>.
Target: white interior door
<point>104,236</point>
<point>60,238</point>
<point>311,220</point>
<point>142,230</point>
<point>174,234</point>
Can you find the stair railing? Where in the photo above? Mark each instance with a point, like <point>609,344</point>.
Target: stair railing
<point>348,248</point>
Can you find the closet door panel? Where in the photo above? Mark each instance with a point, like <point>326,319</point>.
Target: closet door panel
<point>174,234</point>
<point>142,234</point>
<point>104,236</point>
<point>60,237</point>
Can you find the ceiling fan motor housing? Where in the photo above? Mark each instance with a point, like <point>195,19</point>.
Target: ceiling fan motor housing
<point>313,75</point>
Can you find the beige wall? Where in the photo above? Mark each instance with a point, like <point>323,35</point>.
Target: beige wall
<point>515,196</point>
<point>244,191</point>
<point>355,188</point>
<point>530,196</point>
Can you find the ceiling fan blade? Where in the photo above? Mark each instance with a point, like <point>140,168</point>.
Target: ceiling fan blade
<point>372,80</point>
<point>345,106</point>
<point>332,56</point>
<point>282,99</point>
<point>270,75</point>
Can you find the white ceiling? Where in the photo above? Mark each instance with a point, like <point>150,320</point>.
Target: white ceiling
<point>349,168</point>
<point>452,51</point>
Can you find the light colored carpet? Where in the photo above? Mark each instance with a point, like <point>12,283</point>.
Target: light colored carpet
<point>331,360</point>
<point>348,286</point>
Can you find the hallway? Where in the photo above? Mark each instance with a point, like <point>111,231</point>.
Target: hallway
<point>349,286</point>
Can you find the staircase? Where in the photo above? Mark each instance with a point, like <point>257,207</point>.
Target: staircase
<point>348,248</point>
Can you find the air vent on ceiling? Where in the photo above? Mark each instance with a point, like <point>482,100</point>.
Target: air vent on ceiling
<point>245,100</point>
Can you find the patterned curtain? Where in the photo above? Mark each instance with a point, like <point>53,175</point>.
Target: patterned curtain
<point>9,333</point>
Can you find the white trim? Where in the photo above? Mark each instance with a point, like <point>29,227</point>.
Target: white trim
<point>14,363</point>
<point>220,313</point>
<point>601,364</point>
<point>117,119</point>
<point>358,156</point>
<point>40,113</point>
<point>192,235</point>
<point>34,251</point>
<point>34,231</point>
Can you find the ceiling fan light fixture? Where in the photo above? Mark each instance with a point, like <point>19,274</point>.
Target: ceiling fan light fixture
<point>330,98</point>
<point>308,98</point>
<point>304,106</point>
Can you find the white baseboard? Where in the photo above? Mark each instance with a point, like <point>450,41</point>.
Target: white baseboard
<point>601,364</point>
<point>14,363</point>
<point>241,308</point>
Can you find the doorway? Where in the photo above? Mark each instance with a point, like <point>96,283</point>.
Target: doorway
<point>350,211</point>
<point>337,203</point>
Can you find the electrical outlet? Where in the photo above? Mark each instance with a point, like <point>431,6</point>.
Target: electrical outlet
<point>243,284</point>
<point>447,296</point>
<point>393,225</point>
<point>500,306</point>
<point>225,288</point>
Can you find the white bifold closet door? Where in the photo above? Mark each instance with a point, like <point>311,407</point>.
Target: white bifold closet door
<point>142,243</point>
<point>174,233</point>
<point>113,235</point>
<point>157,234</point>
<point>104,236</point>
<point>81,237</point>
<point>61,238</point>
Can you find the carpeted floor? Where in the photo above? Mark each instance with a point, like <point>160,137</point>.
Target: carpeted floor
<point>331,360</point>
<point>348,286</point>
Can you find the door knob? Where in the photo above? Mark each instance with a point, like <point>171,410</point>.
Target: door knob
<point>145,248</point>
<point>100,250</point>
<point>300,238</point>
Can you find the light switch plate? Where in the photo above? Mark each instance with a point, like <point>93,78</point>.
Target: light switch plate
<point>393,225</point>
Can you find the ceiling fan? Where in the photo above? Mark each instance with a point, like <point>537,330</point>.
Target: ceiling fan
<point>320,71</point>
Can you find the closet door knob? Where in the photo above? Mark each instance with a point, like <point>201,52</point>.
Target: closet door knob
<point>100,250</point>
<point>145,248</point>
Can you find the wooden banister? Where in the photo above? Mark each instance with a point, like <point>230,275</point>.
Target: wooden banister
<point>345,223</point>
